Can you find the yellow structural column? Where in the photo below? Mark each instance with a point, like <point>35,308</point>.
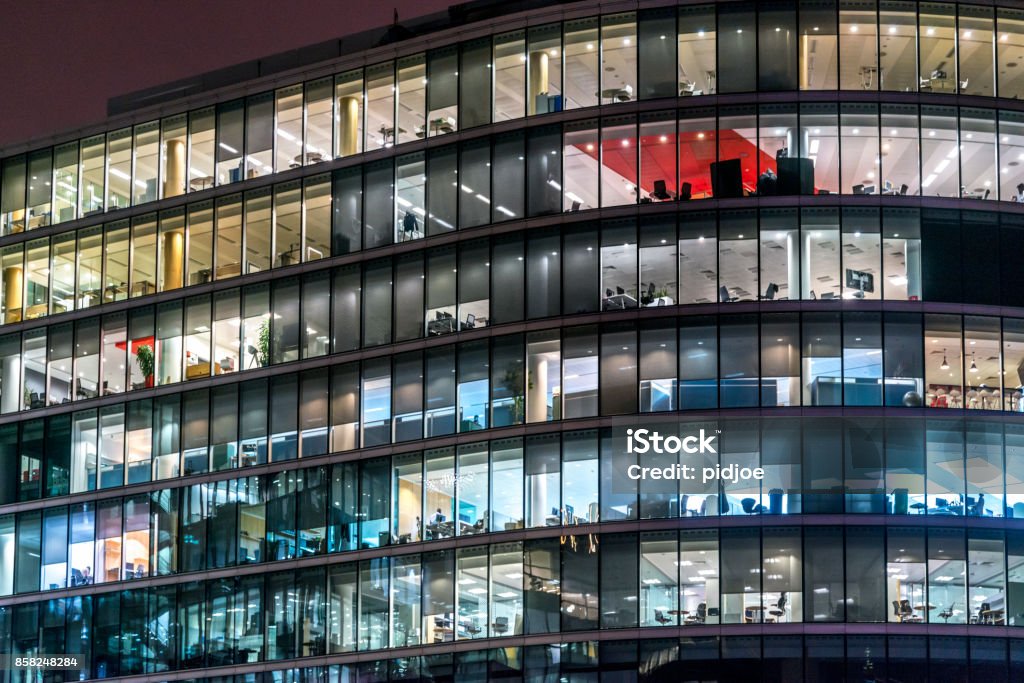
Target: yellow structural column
<point>538,79</point>
<point>173,249</point>
<point>174,182</point>
<point>348,125</point>
<point>13,287</point>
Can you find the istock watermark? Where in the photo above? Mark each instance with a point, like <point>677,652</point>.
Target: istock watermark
<point>644,441</point>
<point>661,455</point>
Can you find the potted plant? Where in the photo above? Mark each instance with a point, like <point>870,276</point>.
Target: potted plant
<point>513,381</point>
<point>263,344</point>
<point>144,357</point>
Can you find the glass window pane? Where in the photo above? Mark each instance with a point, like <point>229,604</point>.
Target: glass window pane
<point>143,255</point>
<point>977,50</point>
<point>510,76</point>
<point>40,189</point>
<point>65,182</point>
<point>202,149</point>
<point>582,71</point>
<point>977,153</point>
<point>257,230</point>
<point>147,148</point>
<point>230,141</point>
<point>619,162</point>
<point>229,237</point>
<point>898,38</point>
<point>200,242</point>
<point>93,182</point>
<point>939,152</point>
<point>776,36</point>
<point>287,224</point>
<point>288,128</point>
<point>618,51</point>
<point>316,207</point>
<point>475,82</point>
<point>119,168</point>
<point>412,98</point>
<point>545,69</point>
<point>348,132</point>
<point>380,106</point>
<point>858,134</point>
<point>319,124</point>
<point>937,39</point>
<point>443,93</point>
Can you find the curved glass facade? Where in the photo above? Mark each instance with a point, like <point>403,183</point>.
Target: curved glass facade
<point>326,377</point>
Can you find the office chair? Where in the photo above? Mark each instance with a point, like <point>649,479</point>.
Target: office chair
<point>575,206</point>
<point>982,618</point>
<point>723,294</point>
<point>780,608</point>
<point>660,617</point>
<point>685,192</point>
<point>947,613</point>
<point>771,291</point>
<point>988,191</point>
<point>650,292</point>
<point>470,320</point>
<point>903,189</point>
<point>619,290</point>
<point>858,189</point>
<point>751,506</point>
<point>608,292</point>
<point>500,625</point>
<point>660,190</point>
<point>409,225</point>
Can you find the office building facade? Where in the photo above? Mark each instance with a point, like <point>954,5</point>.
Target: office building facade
<point>313,368</point>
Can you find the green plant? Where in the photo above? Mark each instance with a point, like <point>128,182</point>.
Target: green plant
<point>263,344</point>
<point>513,381</point>
<point>144,357</point>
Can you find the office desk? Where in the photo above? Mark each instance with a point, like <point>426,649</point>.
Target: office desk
<point>993,616</point>
<point>201,183</point>
<point>618,302</point>
<point>143,288</point>
<point>756,613</point>
<point>438,327</point>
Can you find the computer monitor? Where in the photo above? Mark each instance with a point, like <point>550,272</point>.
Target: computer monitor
<point>859,280</point>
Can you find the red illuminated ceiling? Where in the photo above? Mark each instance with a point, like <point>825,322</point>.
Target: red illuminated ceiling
<point>696,154</point>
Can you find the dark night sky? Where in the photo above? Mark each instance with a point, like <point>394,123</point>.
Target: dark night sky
<point>61,61</point>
